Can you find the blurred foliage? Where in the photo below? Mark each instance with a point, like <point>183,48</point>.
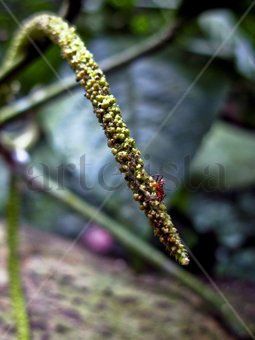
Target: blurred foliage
<point>231,150</point>
<point>150,91</point>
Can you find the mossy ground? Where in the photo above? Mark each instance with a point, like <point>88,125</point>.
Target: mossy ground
<point>73,294</point>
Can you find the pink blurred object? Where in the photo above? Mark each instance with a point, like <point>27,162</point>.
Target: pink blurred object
<point>97,240</point>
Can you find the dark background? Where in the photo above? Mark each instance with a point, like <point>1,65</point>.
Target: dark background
<point>205,150</point>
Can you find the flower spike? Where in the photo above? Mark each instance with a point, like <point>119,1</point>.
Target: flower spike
<point>92,79</point>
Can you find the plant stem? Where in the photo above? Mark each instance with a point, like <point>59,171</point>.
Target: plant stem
<point>35,99</point>
<point>214,303</point>
<point>68,10</point>
<point>149,46</point>
<point>111,64</point>
<point>15,284</point>
<point>143,186</point>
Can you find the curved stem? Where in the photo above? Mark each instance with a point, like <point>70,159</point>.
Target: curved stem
<point>144,187</point>
<point>15,284</point>
<point>151,45</point>
<point>69,10</point>
<point>214,304</point>
<point>108,65</point>
<point>35,99</point>
<point>148,47</point>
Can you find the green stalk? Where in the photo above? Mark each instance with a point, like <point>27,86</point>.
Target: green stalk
<point>151,45</point>
<point>14,272</point>
<point>143,186</point>
<point>68,10</point>
<point>213,302</point>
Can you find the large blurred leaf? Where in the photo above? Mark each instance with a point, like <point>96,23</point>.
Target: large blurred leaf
<point>232,149</point>
<point>147,91</point>
<point>221,30</point>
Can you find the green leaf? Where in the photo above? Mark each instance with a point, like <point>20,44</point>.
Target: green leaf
<point>231,149</point>
<point>220,29</point>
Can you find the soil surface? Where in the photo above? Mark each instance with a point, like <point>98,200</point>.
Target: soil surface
<point>72,294</point>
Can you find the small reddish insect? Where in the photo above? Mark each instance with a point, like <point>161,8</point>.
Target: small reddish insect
<point>159,186</point>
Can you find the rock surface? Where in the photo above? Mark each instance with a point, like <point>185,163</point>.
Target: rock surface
<point>73,294</point>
